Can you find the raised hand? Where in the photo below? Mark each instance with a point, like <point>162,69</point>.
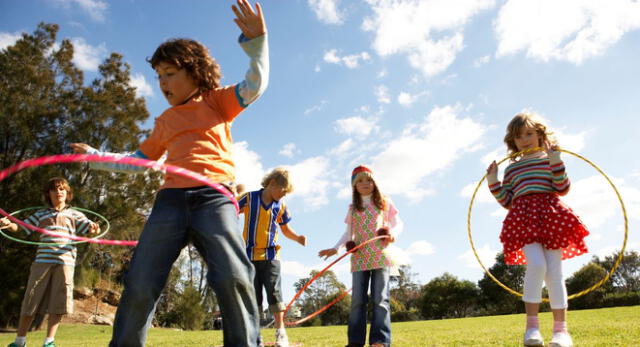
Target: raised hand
<point>249,21</point>
<point>492,172</point>
<point>552,152</point>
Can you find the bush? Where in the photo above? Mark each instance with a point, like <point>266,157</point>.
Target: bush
<point>621,299</point>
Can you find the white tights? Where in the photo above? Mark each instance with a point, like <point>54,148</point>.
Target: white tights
<point>544,264</point>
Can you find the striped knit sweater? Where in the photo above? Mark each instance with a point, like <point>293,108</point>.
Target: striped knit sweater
<point>530,176</point>
<point>67,221</point>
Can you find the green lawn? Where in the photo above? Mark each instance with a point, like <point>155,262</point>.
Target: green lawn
<point>619,326</point>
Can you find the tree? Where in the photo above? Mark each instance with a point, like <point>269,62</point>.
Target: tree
<point>495,299</point>
<point>584,278</point>
<point>446,296</point>
<point>321,292</point>
<point>45,106</point>
<point>405,296</point>
<point>626,278</point>
<point>189,310</point>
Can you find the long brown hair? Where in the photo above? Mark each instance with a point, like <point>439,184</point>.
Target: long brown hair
<point>527,120</point>
<point>376,196</point>
<point>192,56</point>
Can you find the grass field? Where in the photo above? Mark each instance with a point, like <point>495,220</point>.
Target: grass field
<point>619,326</point>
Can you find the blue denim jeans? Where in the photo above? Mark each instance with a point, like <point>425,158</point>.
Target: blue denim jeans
<point>207,218</point>
<point>380,331</point>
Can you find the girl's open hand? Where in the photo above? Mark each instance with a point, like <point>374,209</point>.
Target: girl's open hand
<point>326,253</point>
<point>250,22</point>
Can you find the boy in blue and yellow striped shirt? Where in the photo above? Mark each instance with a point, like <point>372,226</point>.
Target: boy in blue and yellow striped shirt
<point>264,211</point>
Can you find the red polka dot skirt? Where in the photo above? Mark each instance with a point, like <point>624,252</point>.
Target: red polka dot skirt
<point>544,219</point>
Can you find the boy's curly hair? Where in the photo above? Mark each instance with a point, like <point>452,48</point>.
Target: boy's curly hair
<point>281,176</point>
<point>190,55</point>
<point>527,119</point>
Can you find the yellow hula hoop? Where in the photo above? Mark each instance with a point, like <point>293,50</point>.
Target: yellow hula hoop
<point>573,296</point>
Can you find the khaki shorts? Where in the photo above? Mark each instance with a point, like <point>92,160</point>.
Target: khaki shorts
<point>49,290</point>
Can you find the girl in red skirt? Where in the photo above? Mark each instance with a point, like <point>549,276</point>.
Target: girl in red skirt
<point>539,230</point>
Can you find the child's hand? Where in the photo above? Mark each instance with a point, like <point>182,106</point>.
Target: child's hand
<point>492,172</point>
<point>552,152</point>
<point>5,223</point>
<point>326,253</point>
<point>94,228</point>
<point>302,240</point>
<point>81,148</point>
<point>251,23</point>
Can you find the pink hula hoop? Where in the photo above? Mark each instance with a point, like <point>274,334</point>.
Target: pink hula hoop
<point>76,158</point>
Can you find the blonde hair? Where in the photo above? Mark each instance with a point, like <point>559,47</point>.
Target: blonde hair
<point>376,196</point>
<point>54,183</point>
<point>281,177</point>
<point>527,119</point>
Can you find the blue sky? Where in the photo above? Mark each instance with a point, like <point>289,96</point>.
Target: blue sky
<point>419,90</point>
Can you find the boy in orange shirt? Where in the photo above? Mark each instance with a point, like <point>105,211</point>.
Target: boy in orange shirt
<point>195,134</point>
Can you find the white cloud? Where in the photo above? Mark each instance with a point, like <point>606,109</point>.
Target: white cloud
<point>351,61</point>
<point>595,201</point>
<point>407,99</point>
<point>96,9</point>
<point>570,30</point>
<point>482,195</point>
<point>342,148</point>
<point>8,39</point>
<point>357,126</point>
<point>481,61</point>
<point>428,32</point>
<point>315,108</point>
<point>420,247</point>
<point>295,269</point>
<point>288,150</point>
<point>87,57</point>
<point>425,149</point>
<point>310,181</point>
<point>382,94</point>
<point>327,11</point>
<point>249,170</point>
<point>140,83</point>
<point>486,254</point>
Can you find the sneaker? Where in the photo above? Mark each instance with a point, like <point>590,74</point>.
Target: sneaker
<point>532,337</point>
<point>49,344</point>
<point>282,340</point>
<point>13,344</point>
<point>561,339</point>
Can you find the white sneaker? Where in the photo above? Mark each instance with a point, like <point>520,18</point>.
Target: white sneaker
<point>561,339</point>
<point>282,340</point>
<point>532,337</point>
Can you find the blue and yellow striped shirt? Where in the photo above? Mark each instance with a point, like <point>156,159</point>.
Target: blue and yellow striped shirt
<point>261,225</point>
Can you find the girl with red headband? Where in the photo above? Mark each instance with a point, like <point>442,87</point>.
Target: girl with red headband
<point>370,214</point>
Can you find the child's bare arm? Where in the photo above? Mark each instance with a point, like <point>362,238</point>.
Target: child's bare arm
<point>249,21</point>
<point>290,234</point>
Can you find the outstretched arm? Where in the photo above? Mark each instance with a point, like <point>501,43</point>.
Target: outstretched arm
<point>5,223</point>
<point>83,148</point>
